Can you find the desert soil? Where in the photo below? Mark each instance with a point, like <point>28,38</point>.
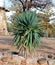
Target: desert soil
<point>47,46</point>
<point>46,50</point>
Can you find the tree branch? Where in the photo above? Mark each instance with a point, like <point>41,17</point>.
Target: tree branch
<point>21,2</point>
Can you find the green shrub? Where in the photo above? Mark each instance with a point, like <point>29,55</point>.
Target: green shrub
<point>26,30</point>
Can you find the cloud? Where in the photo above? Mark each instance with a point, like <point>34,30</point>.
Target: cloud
<point>7,3</point>
<point>1,3</point>
<point>53,1</point>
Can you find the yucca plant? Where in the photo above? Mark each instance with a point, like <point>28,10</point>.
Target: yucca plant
<point>26,30</point>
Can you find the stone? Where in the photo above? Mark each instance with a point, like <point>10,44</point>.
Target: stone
<point>42,61</point>
<point>18,59</point>
<point>31,61</point>
<point>51,62</point>
<point>7,57</point>
<point>50,56</point>
<point>1,56</point>
<point>54,58</point>
<point>23,62</point>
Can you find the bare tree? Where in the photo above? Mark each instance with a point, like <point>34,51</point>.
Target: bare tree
<point>27,4</point>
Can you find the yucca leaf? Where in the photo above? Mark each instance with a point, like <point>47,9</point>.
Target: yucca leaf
<point>27,30</point>
<point>17,40</point>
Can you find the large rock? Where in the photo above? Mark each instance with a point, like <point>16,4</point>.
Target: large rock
<point>51,62</point>
<point>3,27</point>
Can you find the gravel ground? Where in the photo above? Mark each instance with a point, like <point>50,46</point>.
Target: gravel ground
<point>46,51</point>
